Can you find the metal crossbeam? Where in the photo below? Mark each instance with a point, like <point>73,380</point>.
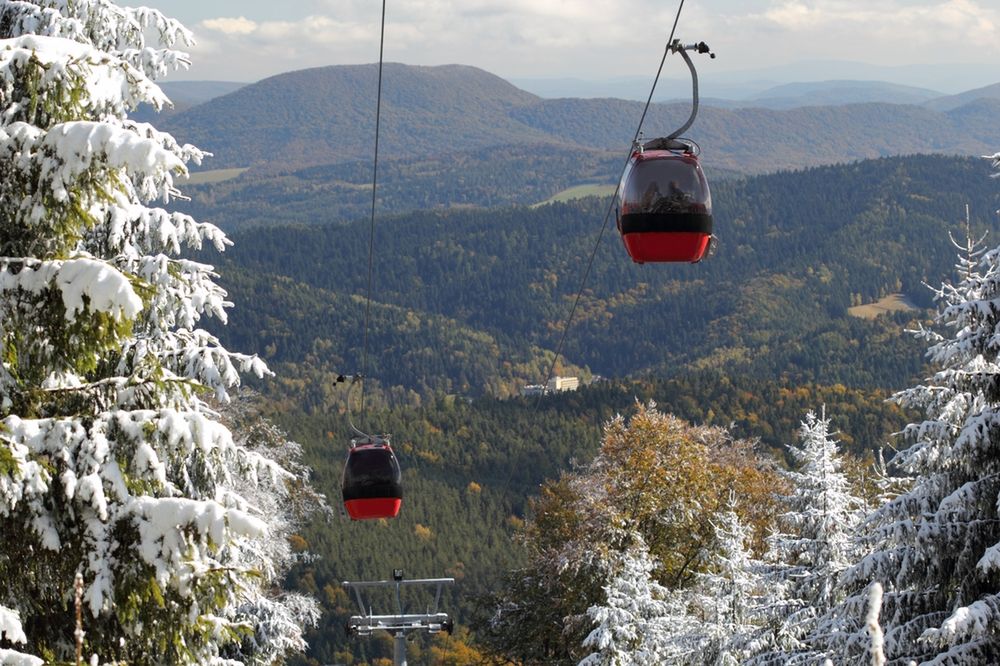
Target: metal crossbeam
<point>364,625</point>
<point>398,623</point>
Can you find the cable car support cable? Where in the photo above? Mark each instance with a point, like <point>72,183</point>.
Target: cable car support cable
<point>371,484</point>
<point>371,237</point>
<point>356,379</point>
<point>672,45</point>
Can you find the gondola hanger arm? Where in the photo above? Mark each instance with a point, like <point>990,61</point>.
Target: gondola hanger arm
<point>677,47</point>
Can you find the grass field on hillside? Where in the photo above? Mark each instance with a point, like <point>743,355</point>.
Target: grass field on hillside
<point>891,303</point>
<point>579,192</point>
<point>213,176</point>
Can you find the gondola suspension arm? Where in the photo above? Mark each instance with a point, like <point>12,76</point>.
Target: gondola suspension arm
<point>355,379</point>
<point>670,141</point>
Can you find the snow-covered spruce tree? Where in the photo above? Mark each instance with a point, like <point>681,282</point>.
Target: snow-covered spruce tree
<point>816,542</point>
<point>732,597</point>
<point>11,632</point>
<point>111,463</point>
<point>277,616</point>
<point>641,622</point>
<point>937,546</point>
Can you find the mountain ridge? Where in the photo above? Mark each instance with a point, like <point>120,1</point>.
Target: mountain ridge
<point>326,116</point>
<point>838,92</point>
<point>951,102</point>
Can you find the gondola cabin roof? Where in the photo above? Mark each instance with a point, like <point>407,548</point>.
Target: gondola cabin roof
<point>664,210</point>
<point>372,481</point>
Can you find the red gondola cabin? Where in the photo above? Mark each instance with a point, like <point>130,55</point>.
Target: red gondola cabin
<point>664,205</point>
<point>372,483</point>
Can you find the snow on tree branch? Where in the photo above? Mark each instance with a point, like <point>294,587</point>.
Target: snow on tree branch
<point>114,465</point>
<point>105,26</point>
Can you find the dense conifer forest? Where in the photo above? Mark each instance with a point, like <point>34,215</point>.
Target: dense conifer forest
<point>472,301</point>
<point>467,309</point>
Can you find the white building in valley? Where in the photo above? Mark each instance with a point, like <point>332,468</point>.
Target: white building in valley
<point>558,384</point>
<point>555,385</point>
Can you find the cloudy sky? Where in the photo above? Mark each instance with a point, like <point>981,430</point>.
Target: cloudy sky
<point>246,40</point>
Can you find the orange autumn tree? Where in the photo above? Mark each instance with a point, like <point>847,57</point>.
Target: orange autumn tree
<point>656,480</point>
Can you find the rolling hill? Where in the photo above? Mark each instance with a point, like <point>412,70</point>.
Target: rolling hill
<point>184,95</point>
<point>326,115</point>
<point>472,301</point>
<point>469,304</point>
<point>333,193</point>
<point>955,101</point>
<point>836,93</point>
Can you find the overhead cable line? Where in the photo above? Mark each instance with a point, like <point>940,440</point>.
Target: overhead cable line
<point>590,263</point>
<point>586,274</point>
<point>371,238</point>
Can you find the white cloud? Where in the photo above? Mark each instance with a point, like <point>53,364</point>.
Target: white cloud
<point>230,26</point>
<point>903,26</point>
<point>890,33</point>
<point>584,38</point>
<point>795,16</point>
<point>510,37</point>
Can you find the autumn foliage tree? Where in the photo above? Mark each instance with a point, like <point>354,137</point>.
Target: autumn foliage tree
<point>657,481</point>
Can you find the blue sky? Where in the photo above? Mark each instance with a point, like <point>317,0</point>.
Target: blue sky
<point>246,40</point>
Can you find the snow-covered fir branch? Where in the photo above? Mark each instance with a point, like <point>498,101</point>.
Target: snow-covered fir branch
<point>113,464</point>
<point>935,544</point>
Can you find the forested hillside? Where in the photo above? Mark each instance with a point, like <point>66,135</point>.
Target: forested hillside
<point>326,115</point>
<point>184,95</point>
<point>473,283</point>
<point>470,468</point>
<point>473,301</point>
<point>468,305</point>
<point>955,101</point>
<point>334,193</point>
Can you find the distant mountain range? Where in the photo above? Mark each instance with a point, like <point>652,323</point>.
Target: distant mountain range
<point>185,94</point>
<point>955,101</point>
<point>743,84</point>
<point>327,116</point>
<point>836,93</point>
<point>758,94</point>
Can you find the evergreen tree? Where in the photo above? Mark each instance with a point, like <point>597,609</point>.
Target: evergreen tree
<point>112,464</point>
<point>11,632</point>
<point>937,546</point>
<point>731,596</point>
<point>641,622</point>
<point>817,543</point>
<point>277,616</point>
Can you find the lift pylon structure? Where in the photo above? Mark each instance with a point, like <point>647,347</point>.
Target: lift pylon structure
<point>399,623</point>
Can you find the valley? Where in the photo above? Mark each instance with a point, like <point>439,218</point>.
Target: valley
<point>479,246</point>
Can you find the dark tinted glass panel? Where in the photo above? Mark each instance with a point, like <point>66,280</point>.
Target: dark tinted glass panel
<point>372,473</point>
<point>665,186</point>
